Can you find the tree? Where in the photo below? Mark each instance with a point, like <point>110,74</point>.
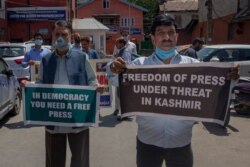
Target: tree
<point>153,7</point>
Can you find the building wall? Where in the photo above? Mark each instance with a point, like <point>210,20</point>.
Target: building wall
<point>222,27</point>
<point>116,7</point>
<point>29,28</point>
<point>221,8</point>
<point>183,18</point>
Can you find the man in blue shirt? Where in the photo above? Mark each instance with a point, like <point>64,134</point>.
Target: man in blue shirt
<point>160,138</point>
<point>68,67</point>
<point>85,41</point>
<point>36,53</point>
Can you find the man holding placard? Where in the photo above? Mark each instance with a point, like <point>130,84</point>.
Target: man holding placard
<point>66,66</point>
<point>162,138</point>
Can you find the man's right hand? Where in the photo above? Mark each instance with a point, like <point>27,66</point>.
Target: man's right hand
<point>118,65</point>
<point>23,83</point>
<point>31,62</point>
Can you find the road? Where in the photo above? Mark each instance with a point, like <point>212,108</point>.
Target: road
<point>113,143</point>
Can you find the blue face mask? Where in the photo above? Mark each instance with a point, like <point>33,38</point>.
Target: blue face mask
<point>38,42</point>
<point>163,55</point>
<point>61,44</point>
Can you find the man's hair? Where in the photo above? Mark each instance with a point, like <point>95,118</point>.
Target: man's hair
<point>198,40</point>
<point>124,30</point>
<point>62,23</point>
<point>37,34</point>
<point>121,40</point>
<point>86,39</point>
<point>163,19</point>
<point>77,37</point>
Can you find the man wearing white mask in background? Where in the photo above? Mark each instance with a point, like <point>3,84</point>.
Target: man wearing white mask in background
<point>131,48</point>
<point>36,53</point>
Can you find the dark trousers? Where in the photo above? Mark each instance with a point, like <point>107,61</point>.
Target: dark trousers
<point>56,145</point>
<point>152,156</point>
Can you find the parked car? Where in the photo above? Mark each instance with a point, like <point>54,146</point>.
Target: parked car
<point>10,92</point>
<point>228,53</point>
<point>13,54</point>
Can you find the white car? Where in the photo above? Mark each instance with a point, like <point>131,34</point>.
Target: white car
<point>13,54</point>
<point>228,53</point>
<point>10,92</point>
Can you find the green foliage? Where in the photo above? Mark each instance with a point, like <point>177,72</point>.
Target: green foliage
<point>152,6</point>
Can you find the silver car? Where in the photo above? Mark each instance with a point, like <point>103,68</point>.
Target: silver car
<point>237,53</point>
<point>13,54</point>
<point>10,95</point>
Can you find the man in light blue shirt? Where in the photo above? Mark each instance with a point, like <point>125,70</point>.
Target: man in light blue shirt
<point>36,53</point>
<point>162,139</point>
<point>85,42</point>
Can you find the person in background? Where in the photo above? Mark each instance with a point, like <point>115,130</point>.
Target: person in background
<point>69,67</point>
<point>85,42</point>
<point>131,48</point>
<point>195,47</point>
<point>162,138</point>
<point>76,39</point>
<point>126,56</point>
<point>36,53</point>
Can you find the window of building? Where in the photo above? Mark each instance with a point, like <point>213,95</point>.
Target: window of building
<point>106,4</point>
<point>102,42</point>
<point>230,34</point>
<point>126,21</point>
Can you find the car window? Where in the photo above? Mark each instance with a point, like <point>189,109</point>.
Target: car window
<point>205,52</point>
<point>12,51</point>
<point>244,54</point>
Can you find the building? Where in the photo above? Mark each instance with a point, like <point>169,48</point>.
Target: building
<point>230,21</point>
<point>117,15</point>
<point>186,16</point>
<point>94,29</point>
<point>3,22</point>
<point>23,18</point>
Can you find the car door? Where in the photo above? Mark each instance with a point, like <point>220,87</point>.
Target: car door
<point>4,89</point>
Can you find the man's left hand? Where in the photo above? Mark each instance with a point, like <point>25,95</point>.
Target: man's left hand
<point>234,73</point>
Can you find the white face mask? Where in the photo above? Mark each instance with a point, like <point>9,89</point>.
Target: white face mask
<point>126,38</point>
<point>60,44</point>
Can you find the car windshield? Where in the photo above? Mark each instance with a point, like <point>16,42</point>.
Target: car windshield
<point>12,51</point>
<point>204,52</point>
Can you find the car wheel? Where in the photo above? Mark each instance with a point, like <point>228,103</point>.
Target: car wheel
<point>17,106</point>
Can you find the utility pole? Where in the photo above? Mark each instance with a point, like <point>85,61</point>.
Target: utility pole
<point>209,5</point>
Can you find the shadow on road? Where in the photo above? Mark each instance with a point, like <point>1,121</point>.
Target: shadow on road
<point>4,120</point>
<point>110,121</point>
<point>19,125</point>
<point>215,129</point>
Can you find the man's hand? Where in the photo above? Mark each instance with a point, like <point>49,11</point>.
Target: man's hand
<point>31,62</point>
<point>100,89</point>
<point>23,83</point>
<point>118,65</point>
<point>234,73</point>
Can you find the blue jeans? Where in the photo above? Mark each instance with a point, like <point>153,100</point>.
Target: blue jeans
<point>153,156</point>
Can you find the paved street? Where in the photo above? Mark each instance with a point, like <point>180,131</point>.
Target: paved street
<point>113,143</point>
